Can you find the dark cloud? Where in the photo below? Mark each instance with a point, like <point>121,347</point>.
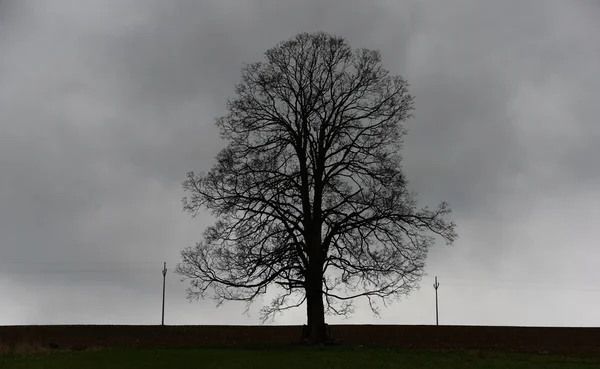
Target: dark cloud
<point>104,106</point>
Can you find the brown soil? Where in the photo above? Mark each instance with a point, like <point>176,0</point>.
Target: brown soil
<point>521,339</point>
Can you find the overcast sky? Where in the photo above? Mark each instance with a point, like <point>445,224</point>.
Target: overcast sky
<point>106,104</point>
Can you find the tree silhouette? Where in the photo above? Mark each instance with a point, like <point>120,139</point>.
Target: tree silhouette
<point>309,195</point>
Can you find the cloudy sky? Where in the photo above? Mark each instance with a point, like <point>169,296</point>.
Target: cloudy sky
<point>106,104</point>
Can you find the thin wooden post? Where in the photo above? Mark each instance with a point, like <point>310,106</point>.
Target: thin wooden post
<point>164,273</point>
<point>436,285</point>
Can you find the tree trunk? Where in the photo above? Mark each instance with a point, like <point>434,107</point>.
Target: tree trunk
<point>316,332</point>
<point>315,311</point>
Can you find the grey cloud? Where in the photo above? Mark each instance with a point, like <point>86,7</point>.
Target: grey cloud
<point>104,106</point>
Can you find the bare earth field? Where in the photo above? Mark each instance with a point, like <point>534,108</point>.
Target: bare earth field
<point>500,339</point>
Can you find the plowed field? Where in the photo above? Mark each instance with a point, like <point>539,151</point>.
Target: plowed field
<point>520,339</point>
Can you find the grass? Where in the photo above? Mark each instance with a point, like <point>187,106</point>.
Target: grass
<point>292,358</point>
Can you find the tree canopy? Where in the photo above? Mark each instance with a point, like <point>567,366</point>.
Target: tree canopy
<point>309,194</point>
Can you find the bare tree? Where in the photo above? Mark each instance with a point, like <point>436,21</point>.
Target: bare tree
<point>309,194</point>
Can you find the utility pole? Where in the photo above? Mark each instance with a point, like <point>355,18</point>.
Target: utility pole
<point>436,285</point>
<point>164,273</point>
